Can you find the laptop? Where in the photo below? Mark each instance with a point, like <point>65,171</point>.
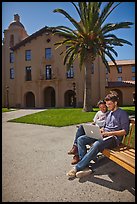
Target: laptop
<point>92,131</point>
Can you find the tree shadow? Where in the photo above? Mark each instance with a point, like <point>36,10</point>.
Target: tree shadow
<point>110,175</point>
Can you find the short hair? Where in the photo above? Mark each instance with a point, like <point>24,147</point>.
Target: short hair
<point>112,97</point>
<point>101,102</point>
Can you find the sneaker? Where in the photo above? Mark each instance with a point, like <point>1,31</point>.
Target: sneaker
<point>75,159</point>
<point>85,172</point>
<point>74,150</point>
<point>72,173</point>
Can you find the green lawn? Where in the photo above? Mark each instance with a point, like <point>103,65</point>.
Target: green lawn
<point>63,117</point>
<point>7,110</point>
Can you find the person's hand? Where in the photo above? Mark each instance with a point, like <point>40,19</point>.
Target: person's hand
<point>106,134</point>
<point>102,130</point>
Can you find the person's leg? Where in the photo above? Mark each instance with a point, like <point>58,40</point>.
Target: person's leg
<point>82,141</point>
<point>74,149</point>
<point>87,157</point>
<point>82,149</point>
<point>80,169</point>
<point>98,146</point>
<point>80,131</point>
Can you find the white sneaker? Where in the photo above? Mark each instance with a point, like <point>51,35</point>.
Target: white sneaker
<point>72,173</point>
<point>84,172</point>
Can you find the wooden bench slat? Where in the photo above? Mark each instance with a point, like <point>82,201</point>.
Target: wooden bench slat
<point>118,160</point>
<point>124,155</point>
<point>127,151</point>
<point>119,156</point>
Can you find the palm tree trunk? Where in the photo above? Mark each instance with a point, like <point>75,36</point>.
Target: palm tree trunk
<point>87,86</point>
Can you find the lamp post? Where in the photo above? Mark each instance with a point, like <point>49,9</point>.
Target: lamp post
<point>7,91</point>
<point>74,96</point>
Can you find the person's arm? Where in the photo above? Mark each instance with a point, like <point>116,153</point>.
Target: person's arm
<point>96,117</point>
<point>116,133</point>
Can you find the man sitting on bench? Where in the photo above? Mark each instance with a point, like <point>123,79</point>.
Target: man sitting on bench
<point>117,125</point>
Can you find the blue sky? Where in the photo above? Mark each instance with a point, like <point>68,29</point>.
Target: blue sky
<point>36,15</point>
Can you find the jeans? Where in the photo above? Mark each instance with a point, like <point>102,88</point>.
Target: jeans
<point>80,131</point>
<point>97,146</point>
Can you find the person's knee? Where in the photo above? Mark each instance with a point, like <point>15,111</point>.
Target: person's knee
<point>81,140</point>
<point>97,144</point>
<point>80,128</point>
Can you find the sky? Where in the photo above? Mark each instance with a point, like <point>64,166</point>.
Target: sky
<point>36,15</point>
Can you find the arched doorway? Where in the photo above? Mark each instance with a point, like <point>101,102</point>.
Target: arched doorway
<point>70,99</point>
<point>120,95</point>
<point>49,97</point>
<point>30,100</point>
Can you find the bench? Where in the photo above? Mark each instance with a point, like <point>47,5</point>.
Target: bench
<point>124,155</point>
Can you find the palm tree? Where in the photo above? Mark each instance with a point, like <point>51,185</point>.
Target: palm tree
<point>90,38</point>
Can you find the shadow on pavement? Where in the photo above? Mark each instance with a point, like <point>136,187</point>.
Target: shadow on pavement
<point>110,175</point>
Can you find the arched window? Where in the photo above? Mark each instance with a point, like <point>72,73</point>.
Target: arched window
<point>12,40</point>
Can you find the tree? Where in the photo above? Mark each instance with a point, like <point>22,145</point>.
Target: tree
<point>90,38</point>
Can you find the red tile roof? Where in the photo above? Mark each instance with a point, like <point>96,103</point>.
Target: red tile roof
<point>120,84</point>
<point>122,62</point>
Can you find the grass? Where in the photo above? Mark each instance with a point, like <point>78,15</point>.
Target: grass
<point>63,117</point>
<point>7,110</point>
<point>57,117</point>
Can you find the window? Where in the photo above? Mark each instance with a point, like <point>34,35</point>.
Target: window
<point>28,55</point>
<point>67,46</point>
<point>120,69</point>
<point>133,69</point>
<point>48,72</point>
<point>11,57</point>
<point>92,69</point>
<point>106,78</point>
<point>28,74</point>
<point>11,73</point>
<point>106,71</point>
<point>48,53</point>
<point>12,40</point>
<point>119,78</point>
<point>70,72</point>
<point>133,78</point>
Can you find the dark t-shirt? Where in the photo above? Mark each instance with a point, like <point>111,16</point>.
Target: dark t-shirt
<point>117,120</point>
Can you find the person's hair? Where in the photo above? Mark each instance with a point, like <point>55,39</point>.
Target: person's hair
<point>101,102</point>
<point>112,97</point>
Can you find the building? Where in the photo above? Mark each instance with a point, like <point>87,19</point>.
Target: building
<point>33,73</point>
<point>122,80</point>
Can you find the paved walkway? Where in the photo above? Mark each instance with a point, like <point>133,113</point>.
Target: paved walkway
<point>35,163</point>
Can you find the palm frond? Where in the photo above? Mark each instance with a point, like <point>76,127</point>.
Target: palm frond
<point>104,60</point>
<point>67,56</point>
<point>112,50</point>
<point>73,55</point>
<point>111,57</point>
<point>72,20</point>
<point>115,26</point>
<point>107,11</point>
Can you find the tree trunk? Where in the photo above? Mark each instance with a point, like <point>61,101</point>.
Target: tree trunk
<point>87,86</point>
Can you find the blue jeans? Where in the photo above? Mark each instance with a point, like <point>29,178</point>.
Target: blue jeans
<point>97,146</point>
<point>80,131</point>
